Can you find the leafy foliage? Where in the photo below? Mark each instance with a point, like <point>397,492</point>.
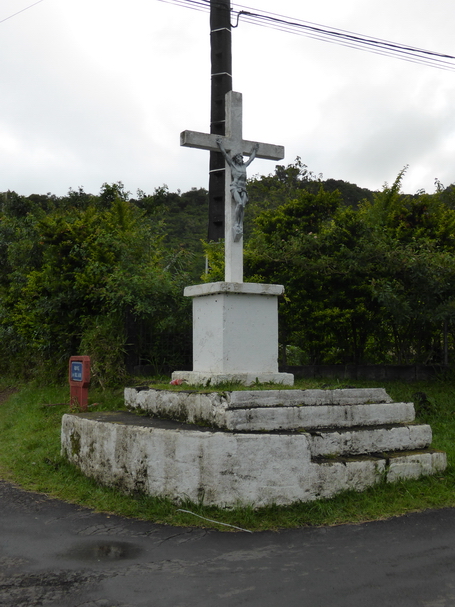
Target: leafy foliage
<point>372,282</point>
<point>73,268</point>
<point>369,276</point>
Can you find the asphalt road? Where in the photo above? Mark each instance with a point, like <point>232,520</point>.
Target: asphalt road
<point>57,554</point>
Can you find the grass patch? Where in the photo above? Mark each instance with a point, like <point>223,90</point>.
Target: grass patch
<point>30,422</point>
<point>163,384</point>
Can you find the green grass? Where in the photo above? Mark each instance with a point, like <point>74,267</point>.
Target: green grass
<point>163,384</point>
<point>30,456</point>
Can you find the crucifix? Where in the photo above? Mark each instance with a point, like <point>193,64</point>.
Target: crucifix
<point>233,147</point>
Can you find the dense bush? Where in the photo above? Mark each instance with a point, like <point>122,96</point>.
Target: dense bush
<point>74,269</point>
<point>367,283</point>
<point>369,276</point>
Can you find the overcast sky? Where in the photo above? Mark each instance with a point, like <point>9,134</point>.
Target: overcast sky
<point>96,91</point>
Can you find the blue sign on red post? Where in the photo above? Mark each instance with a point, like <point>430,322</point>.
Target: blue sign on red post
<point>77,370</point>
<point>79,378</point>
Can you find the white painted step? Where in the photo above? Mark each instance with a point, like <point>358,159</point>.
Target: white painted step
<point>164,458</point>
<point>320,416</point>
<point>370,440</point>
<point>268,410</point>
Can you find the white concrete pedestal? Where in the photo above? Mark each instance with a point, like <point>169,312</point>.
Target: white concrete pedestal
<point>235,334</point>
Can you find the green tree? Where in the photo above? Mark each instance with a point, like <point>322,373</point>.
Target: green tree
<point>310,245</point>
<point>77,270</point>
<point>369,285</point>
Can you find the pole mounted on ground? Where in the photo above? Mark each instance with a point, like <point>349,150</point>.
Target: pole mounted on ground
<point>221,72</point>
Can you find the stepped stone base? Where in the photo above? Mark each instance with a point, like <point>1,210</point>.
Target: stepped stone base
<point>350,439</point>
<point>269,410</point>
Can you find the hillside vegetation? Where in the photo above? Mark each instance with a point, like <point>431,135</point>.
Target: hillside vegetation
<point>369,276</point>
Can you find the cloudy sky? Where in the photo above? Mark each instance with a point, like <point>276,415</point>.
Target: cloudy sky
<point>96,91</point>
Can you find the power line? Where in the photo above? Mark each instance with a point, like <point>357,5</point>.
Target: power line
<point>350,39</point>
<point>326,34</point>
<point>318,32</point>
<point>21,11</point>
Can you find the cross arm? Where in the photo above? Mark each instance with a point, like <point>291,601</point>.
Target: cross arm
<point>204,141</point>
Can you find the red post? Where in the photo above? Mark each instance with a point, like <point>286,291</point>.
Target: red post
<point>79,378</point>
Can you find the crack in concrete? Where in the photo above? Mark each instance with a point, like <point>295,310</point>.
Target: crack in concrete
<point>191,533</point>
<point>28,589</point>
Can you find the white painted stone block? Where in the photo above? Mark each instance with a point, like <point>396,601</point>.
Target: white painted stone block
<point>293,398</point>
<point>216,467</point>
<point>322,416</point>
<point>235,333</point>
<point>333,477</point>
<point>375,440</point>
<point>415,465</point>
<point>239,288</point>
<point>194,378</point>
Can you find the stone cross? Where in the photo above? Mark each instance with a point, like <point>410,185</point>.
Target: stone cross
<point>233,143</point>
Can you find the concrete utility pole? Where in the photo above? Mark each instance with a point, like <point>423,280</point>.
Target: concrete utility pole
<point>221,67</point>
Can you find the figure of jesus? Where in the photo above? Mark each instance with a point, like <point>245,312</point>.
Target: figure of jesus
<point>238,185</point>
